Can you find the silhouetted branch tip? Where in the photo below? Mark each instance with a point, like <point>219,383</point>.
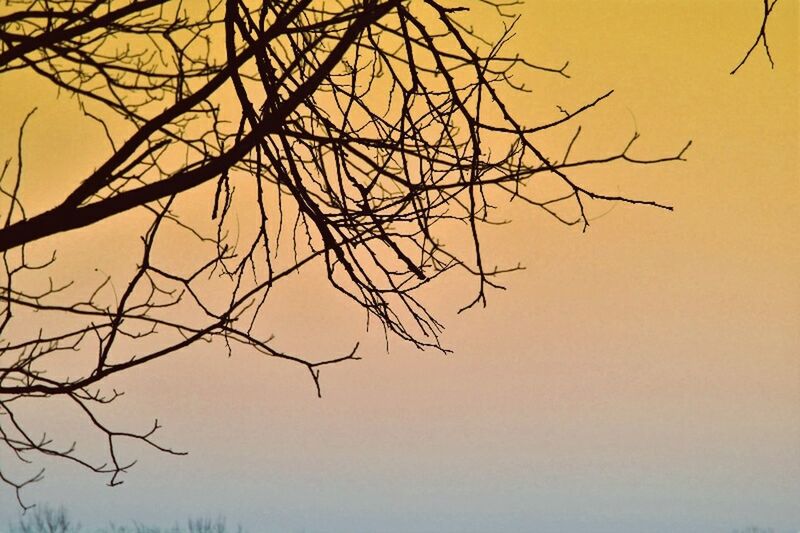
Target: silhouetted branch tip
<point>761,38</point>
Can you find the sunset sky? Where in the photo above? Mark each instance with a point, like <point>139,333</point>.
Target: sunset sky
<point>643,376</point>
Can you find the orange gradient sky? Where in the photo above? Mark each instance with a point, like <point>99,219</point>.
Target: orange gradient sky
<point>643,376</point>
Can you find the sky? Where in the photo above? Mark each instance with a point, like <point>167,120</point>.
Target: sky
<point>641,376</point>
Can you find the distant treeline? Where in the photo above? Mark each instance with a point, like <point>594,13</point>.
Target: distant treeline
<point>44,519</point>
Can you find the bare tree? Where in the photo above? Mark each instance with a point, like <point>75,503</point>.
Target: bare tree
<point>193,525</point>
<point>371,136</point>
<point>46,520</point>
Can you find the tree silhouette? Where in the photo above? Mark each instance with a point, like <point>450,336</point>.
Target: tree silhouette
<point>371,136</point>
<point>46,520</point>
